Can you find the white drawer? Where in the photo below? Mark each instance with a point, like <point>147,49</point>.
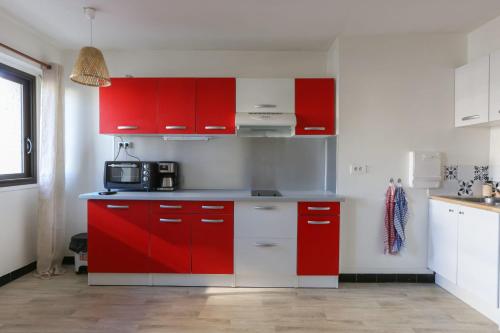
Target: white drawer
<point>265,219</point>
<point>265,257</point>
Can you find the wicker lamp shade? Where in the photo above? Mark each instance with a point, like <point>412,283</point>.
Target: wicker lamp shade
<point>90,68</point>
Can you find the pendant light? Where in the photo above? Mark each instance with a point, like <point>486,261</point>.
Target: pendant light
<point>90,68</point>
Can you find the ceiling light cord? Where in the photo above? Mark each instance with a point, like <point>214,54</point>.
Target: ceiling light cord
<point>91,32</point>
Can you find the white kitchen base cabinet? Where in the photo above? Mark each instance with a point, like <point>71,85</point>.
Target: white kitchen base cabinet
<point>464,246</point>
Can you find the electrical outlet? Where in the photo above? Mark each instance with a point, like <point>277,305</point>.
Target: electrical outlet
<point>358,169</point>
<point>125,144</point>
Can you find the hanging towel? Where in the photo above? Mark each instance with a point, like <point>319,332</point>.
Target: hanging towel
<point>400,219</point>
<point>390,232</point>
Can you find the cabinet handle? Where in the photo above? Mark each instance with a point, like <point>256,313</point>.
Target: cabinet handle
<point>127,127</point>
<point>318,208</point>
<point>175,127</point>
<point>262,244</point>
<point>318,222</point>
<point>212,207</point>
<point>315,128</point>
<point>29,146</point>
<point>212,221</point>
<point>215,127</point>
<point>116,207</point>
<point>170,206</point>
<point>476,116</point>
<point>170,220</point>
<point>264,207</point>
<point>265,106</point>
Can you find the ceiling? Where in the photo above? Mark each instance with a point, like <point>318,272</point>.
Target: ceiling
<point>242,24</point>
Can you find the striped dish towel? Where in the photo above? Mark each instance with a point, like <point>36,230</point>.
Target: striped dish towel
<point>400,219</point>
<point>389,232</point>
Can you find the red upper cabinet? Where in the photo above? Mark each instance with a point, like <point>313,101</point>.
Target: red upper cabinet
<point>128,106</point>
<point>318,245</point>
<point>315,106</point>
<point>215,105</point>
<point>212,244</point>
<point>118,240</point>
<point>176,106</point>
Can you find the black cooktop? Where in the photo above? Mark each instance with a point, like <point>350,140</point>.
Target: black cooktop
<point>265,193</point>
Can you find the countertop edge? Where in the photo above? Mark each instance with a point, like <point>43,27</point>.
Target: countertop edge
<point>465,203</point>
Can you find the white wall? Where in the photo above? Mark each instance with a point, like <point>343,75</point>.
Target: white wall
<point>86,150</point>
<point>481,42</point>
<point>396,96</point>
<point>19,204</point>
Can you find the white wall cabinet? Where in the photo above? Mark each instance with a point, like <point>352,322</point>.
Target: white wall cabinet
<point>265,95</point>
<point>494,112</point>
<point>443,225</point>
<point>478,247</point>
<point>472,93</point>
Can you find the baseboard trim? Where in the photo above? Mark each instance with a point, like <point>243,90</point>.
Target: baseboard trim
<point>16,274</point>
<point>387,278</point>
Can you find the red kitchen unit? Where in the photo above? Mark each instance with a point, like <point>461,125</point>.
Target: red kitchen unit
<point>176,106</point>
<point>118,236</point>
<point>128,106</point>
<point>212,242</point>
<point>215,105</point>
<point>315,106</point>
<point>318,238</point>
<point>170,244</point>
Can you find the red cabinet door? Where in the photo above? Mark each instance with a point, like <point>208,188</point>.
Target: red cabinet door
<point>318,245</point>
<point>128,106</point>
<point>170,246</point>
<point>118,236</point>
<point>212,244</point>
<point>176,109</point>
<point>315,106</point>
<point>215,105</point>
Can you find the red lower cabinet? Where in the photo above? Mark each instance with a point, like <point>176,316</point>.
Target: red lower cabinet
<point>118,236</point>
<point>212,244</point>
<point>318,245</point>
<point>170,247</point>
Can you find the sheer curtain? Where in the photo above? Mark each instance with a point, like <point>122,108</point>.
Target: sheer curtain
<point>50,242</point>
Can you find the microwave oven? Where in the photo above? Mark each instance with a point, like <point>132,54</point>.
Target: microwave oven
<point>130,175</point>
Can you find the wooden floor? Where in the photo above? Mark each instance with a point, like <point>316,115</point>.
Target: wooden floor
<point>67,304</point>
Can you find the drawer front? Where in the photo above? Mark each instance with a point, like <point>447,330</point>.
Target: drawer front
<point>265,219</point>
<point>212,241</point>
<point>175,207</point>
<point>214,207</point>
<point>318,245</point>
<point>319,208</point>
<point>265,256</point>
<point>170,243</point>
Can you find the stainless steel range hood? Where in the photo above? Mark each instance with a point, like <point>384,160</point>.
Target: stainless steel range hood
<point>265,107</point>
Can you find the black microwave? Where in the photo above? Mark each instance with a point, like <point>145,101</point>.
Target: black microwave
<point>130,175</point>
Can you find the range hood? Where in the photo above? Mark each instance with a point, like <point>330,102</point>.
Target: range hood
<point>269,124</point>
<point>265,107</point>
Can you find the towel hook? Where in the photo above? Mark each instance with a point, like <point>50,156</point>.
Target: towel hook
<point>391,181</point>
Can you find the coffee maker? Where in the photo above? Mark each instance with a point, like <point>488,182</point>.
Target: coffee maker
<point>168,176</point>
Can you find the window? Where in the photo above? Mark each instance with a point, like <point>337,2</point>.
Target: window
<point>17,127</point>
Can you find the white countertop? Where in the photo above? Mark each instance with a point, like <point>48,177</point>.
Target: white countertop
<point>229,195</point>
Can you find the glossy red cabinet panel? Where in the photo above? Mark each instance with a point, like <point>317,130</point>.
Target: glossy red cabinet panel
<point>215,105</point>
<point>319,208</point>
<point>170,247</point>
<point>212,244</point>
<point>176,106</point>
<point>118,236</point>
<point>214,207</point>
<point>174,207</point>
<point>318,245</point>
<point>315,106</point>
<point>128,106</point>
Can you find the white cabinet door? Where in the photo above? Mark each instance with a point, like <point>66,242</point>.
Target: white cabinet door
<point>494,86</point>
<point>265,95</point>
<point>478,247</point>
<point>265,219</point>
<point>472,92</point>
<point>443,234</point>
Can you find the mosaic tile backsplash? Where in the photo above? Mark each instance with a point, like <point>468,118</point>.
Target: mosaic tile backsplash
<point>466,180</point>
